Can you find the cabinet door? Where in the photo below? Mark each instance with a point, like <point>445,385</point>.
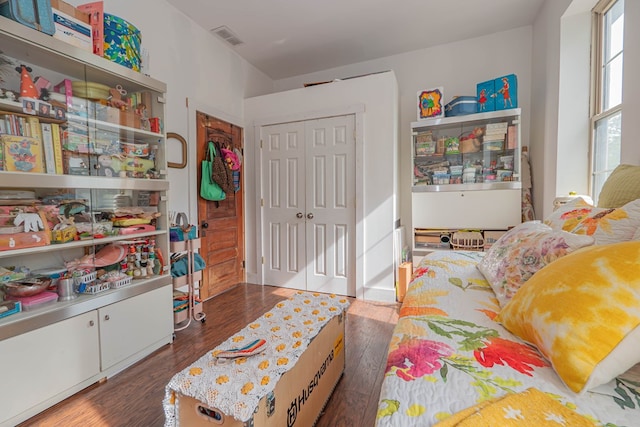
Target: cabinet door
<point>38,365</point>
<point>489,209</point>
<point>130,326</point>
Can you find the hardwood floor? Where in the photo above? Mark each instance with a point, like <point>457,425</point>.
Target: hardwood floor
<point>134,396</point>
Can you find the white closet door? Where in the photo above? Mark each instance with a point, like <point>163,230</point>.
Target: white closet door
<point>308,184</point>
<point>283,186</point>
<point>330,205</point>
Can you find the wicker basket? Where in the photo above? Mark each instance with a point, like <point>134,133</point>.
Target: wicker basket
<point>467,241</point>
<point>470,145</point>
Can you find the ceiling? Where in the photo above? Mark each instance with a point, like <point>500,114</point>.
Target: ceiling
<point>285,38</point>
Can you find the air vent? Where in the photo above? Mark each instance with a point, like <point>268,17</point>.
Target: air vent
<point>227,35</point>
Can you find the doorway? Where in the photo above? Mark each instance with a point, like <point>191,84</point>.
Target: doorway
<point>308,204</point>
<point>221,223</point>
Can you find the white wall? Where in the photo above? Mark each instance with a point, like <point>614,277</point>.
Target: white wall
<point>631,83</point>
<point>194,64</point>
<point>376,147</point>
<point>572,169</point>
<point>545,85</point>
<point>455,66</point>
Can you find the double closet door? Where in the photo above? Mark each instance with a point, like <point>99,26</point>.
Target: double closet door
<point>308,205</point>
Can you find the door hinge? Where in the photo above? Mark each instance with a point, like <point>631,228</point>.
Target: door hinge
<point>262,260</point>
<point>262,203</point>
<point>260,144</point>
<point>244,264</point>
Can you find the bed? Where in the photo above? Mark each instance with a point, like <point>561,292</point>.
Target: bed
<point>450,351</point>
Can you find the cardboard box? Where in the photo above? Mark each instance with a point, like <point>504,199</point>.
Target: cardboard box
<point>70,10</point>
<point>405,272</point>
<point>72,30</point>
<point>299,396</point>
<point>491,236</point>
<point>95,11</point>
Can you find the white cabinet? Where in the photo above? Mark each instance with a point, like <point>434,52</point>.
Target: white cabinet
<point>466,176</point>
<point>110,157</point>
<point>130,326</point>
<point>48,364</point>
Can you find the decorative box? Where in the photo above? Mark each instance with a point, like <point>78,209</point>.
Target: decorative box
<point>506,92</point>
<point>122,42</point>
<point>67,234</point>
<point>461,105</point>
<point>485,94</point>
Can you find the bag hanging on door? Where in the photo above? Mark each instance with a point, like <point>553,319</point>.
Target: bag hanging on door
<point>222,175</point>
<point>209,189</point>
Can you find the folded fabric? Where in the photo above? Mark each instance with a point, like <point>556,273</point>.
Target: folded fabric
<point>530,408</point>
<point>254,347</point>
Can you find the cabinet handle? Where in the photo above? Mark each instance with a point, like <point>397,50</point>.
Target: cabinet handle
<point>299,215</point>
<point>106,317</point>
<point>91,323</point>
<point>310,215</point>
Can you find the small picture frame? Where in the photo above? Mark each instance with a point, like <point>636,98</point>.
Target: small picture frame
<point>29,106</point>
<point>44,109</point>
<point>430,103</point>
<point>60,113</point>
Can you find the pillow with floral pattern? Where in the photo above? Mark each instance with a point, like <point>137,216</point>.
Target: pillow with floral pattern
<point>521,252</point>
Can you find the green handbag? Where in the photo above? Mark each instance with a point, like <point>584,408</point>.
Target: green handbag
<point>209,190</point>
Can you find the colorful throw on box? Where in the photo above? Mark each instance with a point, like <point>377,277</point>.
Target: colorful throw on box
<point>235,386</point>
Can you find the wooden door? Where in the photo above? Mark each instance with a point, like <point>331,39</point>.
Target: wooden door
<point>221,223</point>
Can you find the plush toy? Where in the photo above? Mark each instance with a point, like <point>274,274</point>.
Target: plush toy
<point>32,221</point>
<point>230,159</point>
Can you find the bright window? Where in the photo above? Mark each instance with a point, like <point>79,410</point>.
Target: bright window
<point>606,117</point>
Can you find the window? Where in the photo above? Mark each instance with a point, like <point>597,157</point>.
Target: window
<point>606,116</point>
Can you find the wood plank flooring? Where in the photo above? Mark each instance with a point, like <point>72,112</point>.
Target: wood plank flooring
<point>134,397</point>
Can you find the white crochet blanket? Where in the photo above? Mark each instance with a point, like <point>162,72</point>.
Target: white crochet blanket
<point>235,386</point>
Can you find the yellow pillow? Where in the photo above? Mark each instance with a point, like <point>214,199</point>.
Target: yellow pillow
<point>622,187</point>
<point>583,312</point>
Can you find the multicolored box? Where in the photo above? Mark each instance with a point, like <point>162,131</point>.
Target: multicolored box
<point>122,42</point>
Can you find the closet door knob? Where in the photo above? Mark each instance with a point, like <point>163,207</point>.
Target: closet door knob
<point>310,215</point>
<point>299,215</point>
<point>106,317</point>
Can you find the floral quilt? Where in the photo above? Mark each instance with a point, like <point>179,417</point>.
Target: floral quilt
<point>447,354</point>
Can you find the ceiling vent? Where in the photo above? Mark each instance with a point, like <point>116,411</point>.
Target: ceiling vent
<point>227,35</point>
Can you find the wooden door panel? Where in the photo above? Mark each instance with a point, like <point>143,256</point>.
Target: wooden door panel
<point>223,236</point>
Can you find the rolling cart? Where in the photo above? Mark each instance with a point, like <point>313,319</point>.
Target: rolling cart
<point>193,309</point>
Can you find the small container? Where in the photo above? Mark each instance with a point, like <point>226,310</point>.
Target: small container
<point>66,289</point>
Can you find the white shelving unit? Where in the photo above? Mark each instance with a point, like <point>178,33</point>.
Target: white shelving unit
<point>52,351</point>
<point>485,198</point>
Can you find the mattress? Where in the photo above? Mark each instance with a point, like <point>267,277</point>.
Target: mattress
<point>447,354</point>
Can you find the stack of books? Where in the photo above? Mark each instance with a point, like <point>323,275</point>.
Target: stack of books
<point>494,136</point>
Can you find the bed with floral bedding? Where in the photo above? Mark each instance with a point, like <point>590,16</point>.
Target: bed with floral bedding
<point>449,353</point>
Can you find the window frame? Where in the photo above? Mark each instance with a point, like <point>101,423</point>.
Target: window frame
<point>597,111</point>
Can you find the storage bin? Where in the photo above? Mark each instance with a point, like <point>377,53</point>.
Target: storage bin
<point>460,106</point>
<point>467,241</point>
<point>32,13</point>
<point>122,42</point>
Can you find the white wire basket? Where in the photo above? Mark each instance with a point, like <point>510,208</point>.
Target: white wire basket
<point>120,283</point>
